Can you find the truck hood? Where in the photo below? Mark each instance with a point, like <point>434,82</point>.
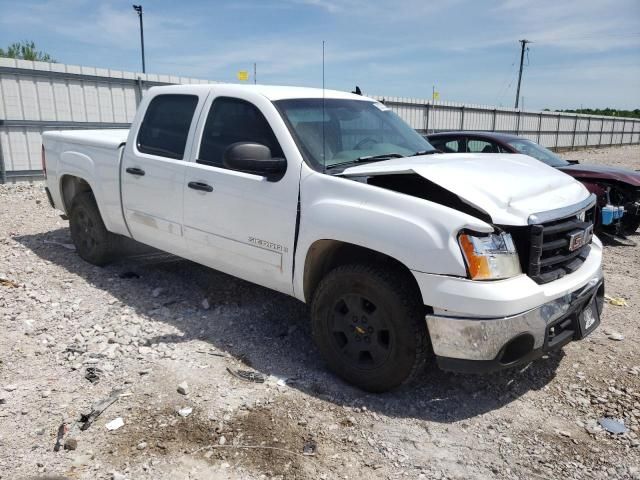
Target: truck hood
<point>507,187</point>
<point>586,171</point>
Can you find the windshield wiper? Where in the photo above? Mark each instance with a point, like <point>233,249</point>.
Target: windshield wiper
<point>380,157</point>
<point>425,152</point>
<point>367,158</point>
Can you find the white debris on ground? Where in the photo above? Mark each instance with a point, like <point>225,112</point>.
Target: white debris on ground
<point>72,334</point>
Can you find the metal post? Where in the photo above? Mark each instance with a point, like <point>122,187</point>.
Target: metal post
<point>613,130</point>
<point>586,141</point>
<point>495,114</point>
<point>601,129</point>
<point>138,8</point>
<point>138,91</point>
<point>539,125</point>
<point>518,123</point>
<point>426,120</point>
<point>3,173</point>
<point>573,138</point>
<point>624,123</point>
<point>462,118</point>
<point>558,132</point>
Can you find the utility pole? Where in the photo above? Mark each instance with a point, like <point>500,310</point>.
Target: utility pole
<point>524,45</point>
<point>138,8</point>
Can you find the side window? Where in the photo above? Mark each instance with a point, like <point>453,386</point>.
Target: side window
<point>232,120</point>
<point>482,146</point>
<point>446,145</point>
<point>166,124</point>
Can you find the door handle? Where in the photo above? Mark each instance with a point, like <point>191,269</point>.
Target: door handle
<point>135,171</point>
<point>200,186</point>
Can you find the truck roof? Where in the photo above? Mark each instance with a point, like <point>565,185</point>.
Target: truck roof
<point>272,92</point>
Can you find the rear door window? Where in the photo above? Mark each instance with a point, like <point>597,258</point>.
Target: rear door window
<point>166,125</point>
<point>482,146</point>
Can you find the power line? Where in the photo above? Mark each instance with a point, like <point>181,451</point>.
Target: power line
<point>509,75</point>
<point>504,91</point>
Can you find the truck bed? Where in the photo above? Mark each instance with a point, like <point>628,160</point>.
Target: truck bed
<point>94,157</point>
<point>105,138</point>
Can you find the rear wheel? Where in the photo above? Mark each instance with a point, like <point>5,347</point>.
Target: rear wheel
<point>94,243</point>
<point>368,323</point>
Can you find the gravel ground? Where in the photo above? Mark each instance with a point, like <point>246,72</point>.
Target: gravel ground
<point>163,332</point>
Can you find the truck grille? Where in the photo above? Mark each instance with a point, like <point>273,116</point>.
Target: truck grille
<point>545,249</point>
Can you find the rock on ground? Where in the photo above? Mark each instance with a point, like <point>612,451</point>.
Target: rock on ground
<point>142,325</point>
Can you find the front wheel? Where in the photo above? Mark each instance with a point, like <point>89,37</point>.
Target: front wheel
<point>368,322</point>
<point>630,223</point>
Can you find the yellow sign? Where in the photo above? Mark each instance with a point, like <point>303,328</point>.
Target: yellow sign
<point>436,95</point>
<point>243,75</point>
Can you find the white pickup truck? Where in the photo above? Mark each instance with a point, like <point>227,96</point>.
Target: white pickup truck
<point>485,261</point>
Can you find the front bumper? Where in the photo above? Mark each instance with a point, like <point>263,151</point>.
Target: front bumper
<point>486,344</point>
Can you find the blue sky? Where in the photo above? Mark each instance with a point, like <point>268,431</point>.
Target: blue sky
<point>585,52</point>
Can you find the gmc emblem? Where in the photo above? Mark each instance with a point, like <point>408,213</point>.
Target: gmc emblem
<point>579,238</point>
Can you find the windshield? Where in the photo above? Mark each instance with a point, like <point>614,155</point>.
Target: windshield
<point>353,130</point>
<point>527,147</point>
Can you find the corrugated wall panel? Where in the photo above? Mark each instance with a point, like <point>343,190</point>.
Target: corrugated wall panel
<point>91,103</point>
<point>506,121</point>
<point>5,152</point>
<point>34,146</point>
<point>44,92</point>
<point>46,102</point>
<point>19,149</point>
<point>29,99</point>
<point>62,101</point>
<point>119,106</point>
<point>11,97</point>
<point>130,103</point>
<point>76,100</point>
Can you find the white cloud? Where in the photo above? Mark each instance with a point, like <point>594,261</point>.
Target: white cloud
<point>331,7</point>
<point>394,48</point>
<point>104,26</point>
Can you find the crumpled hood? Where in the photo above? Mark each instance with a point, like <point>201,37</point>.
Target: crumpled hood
<point>589,171</point>
<point>508,187</point>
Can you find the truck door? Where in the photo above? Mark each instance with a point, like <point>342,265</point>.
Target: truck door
<point>234,221</point>
<point>153,169</point>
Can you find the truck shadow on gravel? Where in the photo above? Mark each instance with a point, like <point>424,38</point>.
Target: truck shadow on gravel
<point>270,333</point>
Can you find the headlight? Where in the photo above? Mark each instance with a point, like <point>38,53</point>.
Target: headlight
<point>490,257</point>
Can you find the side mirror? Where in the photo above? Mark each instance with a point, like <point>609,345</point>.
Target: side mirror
<point>254,158</point>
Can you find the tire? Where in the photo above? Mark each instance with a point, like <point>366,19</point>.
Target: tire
<point>94,243</point>
<point>368,323</point>
<point>630,223</point>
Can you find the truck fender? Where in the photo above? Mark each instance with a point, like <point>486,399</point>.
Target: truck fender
<point>416,244</point>
<point>83,168</point>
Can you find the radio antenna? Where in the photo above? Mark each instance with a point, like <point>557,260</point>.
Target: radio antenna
<point>324,158</point>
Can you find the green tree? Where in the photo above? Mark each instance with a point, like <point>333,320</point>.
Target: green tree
<point>608,112</point>
<point>25,50</point>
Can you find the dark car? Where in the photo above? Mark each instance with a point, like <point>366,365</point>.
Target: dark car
<point>618,189</point>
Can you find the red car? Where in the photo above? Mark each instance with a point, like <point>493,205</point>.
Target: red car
<point>618,189</point>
